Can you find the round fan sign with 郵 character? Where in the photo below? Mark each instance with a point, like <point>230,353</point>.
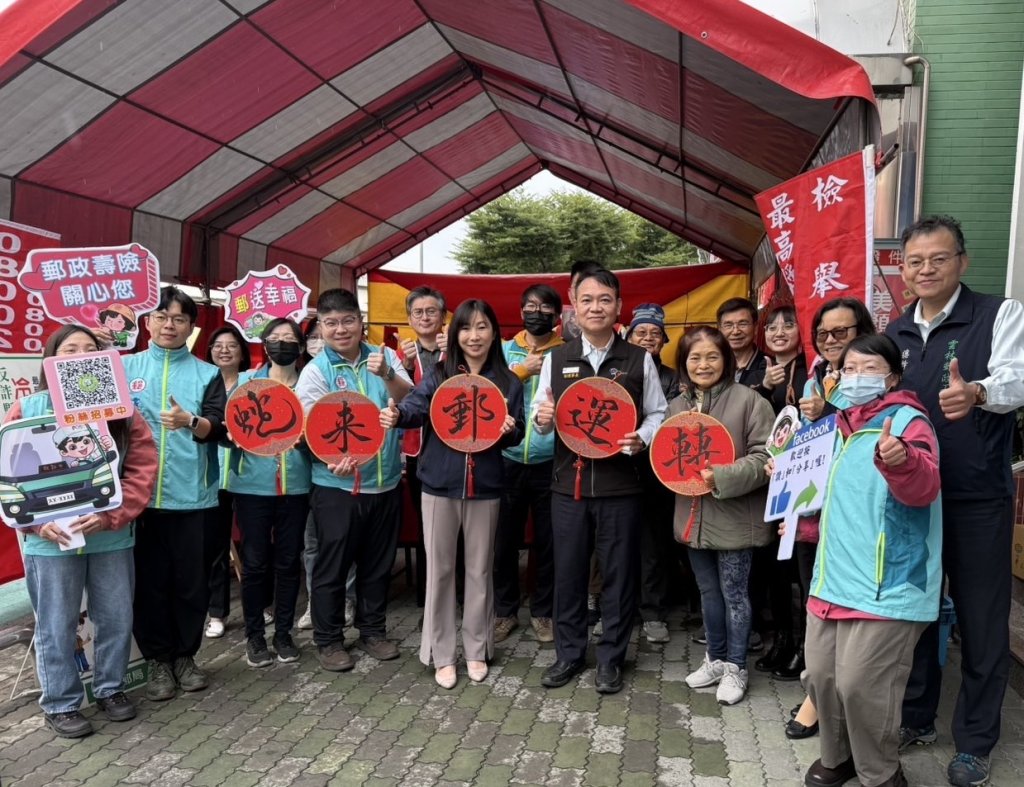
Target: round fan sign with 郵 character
<point>592,415</point>
<point>344,424</point>
<point>684,445</point>
<point>467,413</point>
<point>264,417</point>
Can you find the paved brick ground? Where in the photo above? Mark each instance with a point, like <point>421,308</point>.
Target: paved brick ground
<point>389,724</point>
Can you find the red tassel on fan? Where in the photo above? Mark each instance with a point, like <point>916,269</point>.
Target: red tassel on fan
<point>578,486</point>
<point>357,482</point>
<point>470,486</point>
<point>690,521</point>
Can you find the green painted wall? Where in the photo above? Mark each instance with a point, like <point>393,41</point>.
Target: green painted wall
<point>976,49</point>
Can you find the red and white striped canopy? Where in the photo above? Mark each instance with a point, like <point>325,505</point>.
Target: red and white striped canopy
<point>230,135</point>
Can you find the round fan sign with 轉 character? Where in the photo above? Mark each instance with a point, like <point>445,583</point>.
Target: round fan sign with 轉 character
<point>264,417</point>
<point>592,415</point>
<point>344,424</point>
<point>684,445</point>
<point>467,413</point>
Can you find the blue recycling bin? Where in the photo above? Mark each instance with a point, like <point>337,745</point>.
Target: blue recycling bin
<point>947,617</point>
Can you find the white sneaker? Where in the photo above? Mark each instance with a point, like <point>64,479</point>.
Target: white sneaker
<point>215,628</point>
<point>656,632</point>
<point>268,616</point>
<point>707,674</point>
<point>350,612</point>
<point>733,686</point>
<point>306,621</point>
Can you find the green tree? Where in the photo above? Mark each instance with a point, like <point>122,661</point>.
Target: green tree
<point>520,233</point>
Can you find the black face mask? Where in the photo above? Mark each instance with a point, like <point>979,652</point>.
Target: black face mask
<point>539,323</point>
<point>283,353</point>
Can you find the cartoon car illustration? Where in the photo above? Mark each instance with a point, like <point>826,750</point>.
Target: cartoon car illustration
<point>46,471</point>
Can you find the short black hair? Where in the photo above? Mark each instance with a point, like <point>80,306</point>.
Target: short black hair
<point>717,338</point>
<point>787,310</point>
<point>876,344</point>
<point>604,277</point>
<point>864,324</point>
<point>276,323</point>
<point>545,293</point>
<point>930,224</point>
<point>338,300</point>
<point>735,305</point>
<point>579,267</point>
<point>171,294</point>
<point>424,292</point>
<point>232,331</point>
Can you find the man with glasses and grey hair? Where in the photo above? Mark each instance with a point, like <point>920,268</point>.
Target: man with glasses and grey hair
<point>963,355</point>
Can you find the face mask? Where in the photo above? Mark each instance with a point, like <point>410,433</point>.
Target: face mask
<point>283,353</point>
<point>861,388</point>
<point>538,323</point>
<point>314,346</point>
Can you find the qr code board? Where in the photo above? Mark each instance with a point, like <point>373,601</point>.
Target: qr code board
<point>87,383</point>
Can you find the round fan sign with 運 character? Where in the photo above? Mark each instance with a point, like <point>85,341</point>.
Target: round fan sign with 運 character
<point>467,413</point>
<point>344,424</point>
<point>592,415</point>
<point>684,445</point>
<point>264,417</point>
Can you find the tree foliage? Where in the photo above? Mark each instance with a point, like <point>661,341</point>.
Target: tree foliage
<point>521,233</point>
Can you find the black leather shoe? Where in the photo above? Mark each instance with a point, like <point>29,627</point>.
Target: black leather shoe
<point>560,673</point>
<point>609,679</point>
<point>779,654</point>
<point>896,780</point>
<point>797,731</point>
<point>69,724</point>
<point>820,776</point>
<point>792,669</point>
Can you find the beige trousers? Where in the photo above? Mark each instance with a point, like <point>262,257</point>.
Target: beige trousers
<point>857,675</point>
<point>443,517</point>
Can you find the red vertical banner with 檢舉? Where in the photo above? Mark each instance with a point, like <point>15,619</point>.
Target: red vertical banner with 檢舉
<point>821,225</point>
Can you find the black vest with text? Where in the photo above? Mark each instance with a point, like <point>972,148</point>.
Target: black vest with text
<point>617,475</point>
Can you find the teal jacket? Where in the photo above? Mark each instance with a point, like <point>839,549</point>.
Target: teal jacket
<point>880,547</point>
<point>329,372</point>
<point>535,447</point>
<point>248,474</point>
<point>187,467</point>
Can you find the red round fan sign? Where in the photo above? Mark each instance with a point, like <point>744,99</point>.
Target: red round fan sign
<point>684,445</point>
<point>592,415</point>
<point>264,417</point>
<point>344,423</point>
<point>467,413</point>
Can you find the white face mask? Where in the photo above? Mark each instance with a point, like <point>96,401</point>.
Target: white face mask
<point>861,388</point>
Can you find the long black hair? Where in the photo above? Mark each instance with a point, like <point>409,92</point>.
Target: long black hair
<point>455,361</point>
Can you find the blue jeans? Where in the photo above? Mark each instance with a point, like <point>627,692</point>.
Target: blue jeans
<point>55,586</point>
<point>725,603</point>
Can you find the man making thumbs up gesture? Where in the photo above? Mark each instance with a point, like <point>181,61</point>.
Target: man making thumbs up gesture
<point>963,355</point>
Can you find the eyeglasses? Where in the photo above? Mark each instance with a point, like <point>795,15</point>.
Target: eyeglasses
<point>229,347</point>
<point>178,320</point>
<point>786,327</point>
<point>348,323</point>
<point>836,333</point>
<point>938,261</point>
<point>543,308</point>
<point>430,311</point>
<point>742,325</point>
<point>652,334</point>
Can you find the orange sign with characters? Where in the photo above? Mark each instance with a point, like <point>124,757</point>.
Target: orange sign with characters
<point>684,445</point>
<point>264,417</point>
<point>592,415</point>
<point>468,412</point>
<point>344,424</point>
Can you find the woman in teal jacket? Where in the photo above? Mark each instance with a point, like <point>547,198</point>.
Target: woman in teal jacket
<point>878,571</point>
<point>272,501</point>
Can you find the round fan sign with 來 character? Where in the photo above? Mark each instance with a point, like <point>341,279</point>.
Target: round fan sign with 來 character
<point>264,417</point>
<point>467,413</point>
<point>592,415</point>
<point>684,445</point>
<point>344,424</point>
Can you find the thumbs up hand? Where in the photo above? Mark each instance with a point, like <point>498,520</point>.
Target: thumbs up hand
<point>376,364</point>
<point>544,416</point>
<point>774,374</point>
<point>891,450</point>
<point>957,400</point>
<point>176,417</point>
<point>389,415</point>
<point>811,407</point>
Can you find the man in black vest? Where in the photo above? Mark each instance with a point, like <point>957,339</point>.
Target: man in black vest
<point>607,517</point>
<point>963,355</point>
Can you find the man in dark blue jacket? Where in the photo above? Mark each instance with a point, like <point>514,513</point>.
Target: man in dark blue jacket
<point>963,355</point>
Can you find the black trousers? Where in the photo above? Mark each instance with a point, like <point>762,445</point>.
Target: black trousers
<point>976,555</point>
<point>352,529</point>
<point>218,551</point>
<point>610,527</point>
<point>273,533</point>
<point>659,551</point>
<point>416,495</point>
<point>172,582</point>
<point>527,490</point>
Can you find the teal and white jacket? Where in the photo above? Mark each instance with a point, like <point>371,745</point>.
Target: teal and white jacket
<point>329,372</point>
<point>187,469</point>
<point>535,447</point>
<point>269,476</point>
